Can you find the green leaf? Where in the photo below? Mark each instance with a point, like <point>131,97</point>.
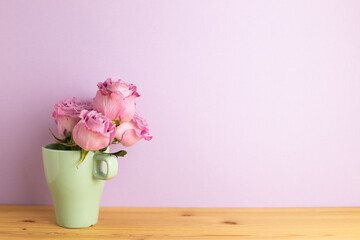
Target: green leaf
<point>83,156</point>
<point>68,141</point>
<point>56,138</point>
<point>102,150</point>
<point>120,153</point>
<point>69,144</point>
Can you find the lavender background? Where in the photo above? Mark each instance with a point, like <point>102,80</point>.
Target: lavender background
<point>251,103</point>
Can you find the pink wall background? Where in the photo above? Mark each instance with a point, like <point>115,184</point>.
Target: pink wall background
<point>251,103</point>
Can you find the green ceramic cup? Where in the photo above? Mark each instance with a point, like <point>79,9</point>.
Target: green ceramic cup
<point>76,191</point>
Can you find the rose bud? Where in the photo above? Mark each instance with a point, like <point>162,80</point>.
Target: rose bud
<point>116,99</point>
<point>129,133</point>
<point>94,131</point>
<point>66,114</point>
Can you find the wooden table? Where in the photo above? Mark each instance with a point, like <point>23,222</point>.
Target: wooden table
<point>38,222</point>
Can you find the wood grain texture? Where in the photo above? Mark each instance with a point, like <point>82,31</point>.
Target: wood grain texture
<point>38,222</point>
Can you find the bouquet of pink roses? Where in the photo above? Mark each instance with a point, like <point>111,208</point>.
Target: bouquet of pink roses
<point>109,118</point>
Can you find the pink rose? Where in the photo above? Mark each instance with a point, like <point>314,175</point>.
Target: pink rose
<point>94,131</point>
<point>67,112</point>
<point>129,133</point>
<point>116,99</point>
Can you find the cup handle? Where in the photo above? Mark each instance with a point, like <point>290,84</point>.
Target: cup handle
<point>111,164</point>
